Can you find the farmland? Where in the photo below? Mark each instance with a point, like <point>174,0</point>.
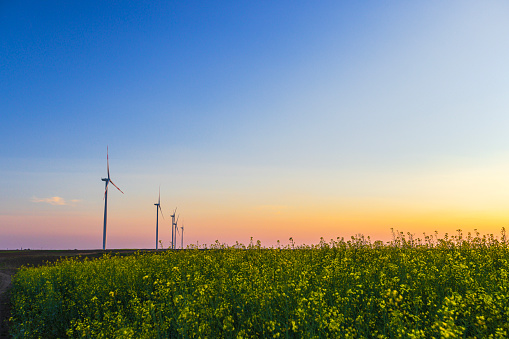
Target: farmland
<point>409,288</point>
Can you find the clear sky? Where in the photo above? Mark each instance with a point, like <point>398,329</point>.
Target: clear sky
<point>264,119</point>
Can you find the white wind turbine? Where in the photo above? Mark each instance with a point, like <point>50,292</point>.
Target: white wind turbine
<point>182,234</point>
<point>173,229</point>
<point>158,208</point>
<point>106,182</point>
<point>176,232</point>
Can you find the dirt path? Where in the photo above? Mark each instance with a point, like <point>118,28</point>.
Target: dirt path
<point>5,281</point>
<point>5,312</point>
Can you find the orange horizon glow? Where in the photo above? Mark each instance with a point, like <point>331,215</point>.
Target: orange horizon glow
<point>267,223</point>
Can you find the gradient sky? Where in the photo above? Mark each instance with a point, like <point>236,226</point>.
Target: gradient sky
<point>257,118</point>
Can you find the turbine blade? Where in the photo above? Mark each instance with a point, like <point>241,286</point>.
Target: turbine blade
<point>160,209</point>
<point>108,162</point>
<point>116,187</point>
<point>105,190</point>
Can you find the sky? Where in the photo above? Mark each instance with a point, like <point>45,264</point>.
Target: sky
<point>262,119</point>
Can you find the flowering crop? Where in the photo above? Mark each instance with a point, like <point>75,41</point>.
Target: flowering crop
<point>451,287</point>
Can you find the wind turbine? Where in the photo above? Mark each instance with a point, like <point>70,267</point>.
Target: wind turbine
<point>106,182</point>
<point>158,208</point>
<point>182,234</point>
<point>176,232</point>
<point>172,229</point>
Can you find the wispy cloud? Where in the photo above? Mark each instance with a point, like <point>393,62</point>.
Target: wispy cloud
<point>57,201</point>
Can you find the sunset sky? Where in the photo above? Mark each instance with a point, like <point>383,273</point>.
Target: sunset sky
<point>263,119</point>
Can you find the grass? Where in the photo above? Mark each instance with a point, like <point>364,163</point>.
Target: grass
<point>408,288</point>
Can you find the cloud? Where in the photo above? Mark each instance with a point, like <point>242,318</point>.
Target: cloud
<point>56,201</point>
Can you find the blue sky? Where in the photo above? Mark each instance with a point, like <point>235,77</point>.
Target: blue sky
<point>256,118</point>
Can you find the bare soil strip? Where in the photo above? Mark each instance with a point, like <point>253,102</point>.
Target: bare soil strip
<point>5,281</point>
<point>5,311</point>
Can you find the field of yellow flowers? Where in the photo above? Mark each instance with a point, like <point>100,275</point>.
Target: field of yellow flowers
<point>452,287</point>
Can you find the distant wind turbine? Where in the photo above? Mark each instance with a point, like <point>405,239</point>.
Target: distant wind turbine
<point>182,234</point>
<point>172,228</point>
<point>158,208</point>
<point>176,232</point>
<point>106,182</point>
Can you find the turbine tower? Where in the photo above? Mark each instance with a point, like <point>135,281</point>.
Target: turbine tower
<point>106,182</point>
<point>176,232</point>
<point>173,229</point>
<point>158,208</point>
<point>182,234</point>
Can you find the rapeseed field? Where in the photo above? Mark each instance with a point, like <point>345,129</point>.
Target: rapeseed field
<point>453,287</point>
